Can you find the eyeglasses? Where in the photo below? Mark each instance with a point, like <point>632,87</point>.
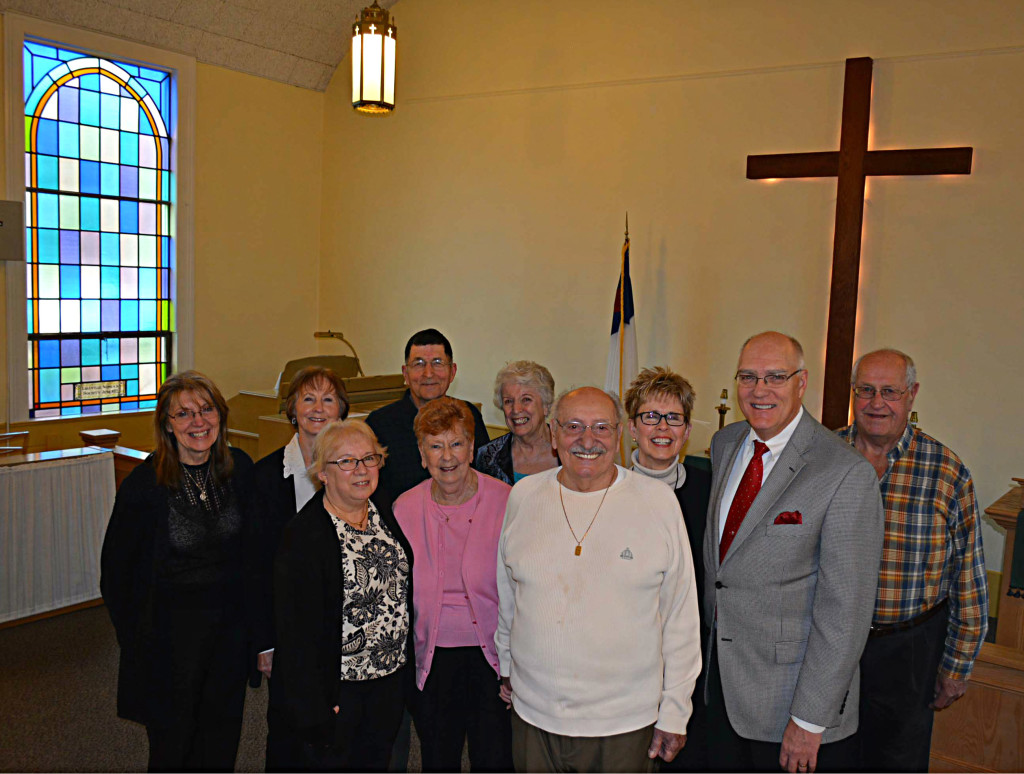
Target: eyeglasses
<point>655,417</point>
<point>889,394</point>
<point>351,463</point>
<point>207,412</point>
<point>437,364</point>
<point>599,429</point>
<point>749,379</point>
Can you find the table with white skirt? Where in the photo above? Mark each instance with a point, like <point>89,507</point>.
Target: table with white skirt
<point>54,509</point>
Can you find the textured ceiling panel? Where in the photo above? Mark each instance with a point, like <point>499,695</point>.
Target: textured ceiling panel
<point>299,42</point>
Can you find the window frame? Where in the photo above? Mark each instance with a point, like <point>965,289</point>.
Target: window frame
<point>16,28</point>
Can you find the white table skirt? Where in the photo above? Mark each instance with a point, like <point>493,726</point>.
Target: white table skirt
<point>53,516</point>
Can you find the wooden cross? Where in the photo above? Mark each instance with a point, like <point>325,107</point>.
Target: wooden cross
<point>851,164</point>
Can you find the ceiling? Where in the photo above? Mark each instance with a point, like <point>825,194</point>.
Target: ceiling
<point>299,42</point>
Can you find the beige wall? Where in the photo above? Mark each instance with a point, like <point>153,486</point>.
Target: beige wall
<point>491,203</point>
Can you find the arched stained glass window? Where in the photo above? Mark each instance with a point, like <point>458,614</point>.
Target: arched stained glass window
<point>99,238</point>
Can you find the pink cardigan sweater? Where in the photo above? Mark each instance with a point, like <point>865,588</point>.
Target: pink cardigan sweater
<point>424,528</point>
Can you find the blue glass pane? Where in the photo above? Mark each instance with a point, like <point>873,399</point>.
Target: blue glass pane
<point>67,107</point>
<point>129,148</point>
<point>133,387</point>
<point>110,352</point>
<point>109,372</point>
<point>69,352</point>
<point>147,315</point>
<point>68,138</point>
<point>47,204</point>
<point>147,404</point>
<point>129,372</point>
<point>49,354</point>
<point>147,285</point>
<point>130,180</point>
<point>49,246</point>
<point>90,214</point>
<point>110,283</point>
<point>71,411</point>
<point>133,405</point>
<point>110,314</point>
<point>110,115</point>
<point>91,409</point>
<point>89,104</point>
<point>91,317</point>
<point>46,171</point>
<point>91,352</point>
<point>130,69</point>
<point>129,217</point>
<point>110,180</point>
<point>46,137</point>
<point>70,282</point>
<point>89,176</point>
<point>49,385</point>
<point>130,315</point>
<point>110,249</point>
<point>91,82</point>
<point>69,244</point>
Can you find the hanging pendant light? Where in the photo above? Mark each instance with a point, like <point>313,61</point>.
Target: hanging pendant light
<point>373,61</point>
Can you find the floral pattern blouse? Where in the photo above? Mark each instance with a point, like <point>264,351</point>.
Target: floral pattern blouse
<point>375,615</point>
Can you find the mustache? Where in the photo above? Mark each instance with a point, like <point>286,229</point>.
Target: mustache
<point>579,448</point>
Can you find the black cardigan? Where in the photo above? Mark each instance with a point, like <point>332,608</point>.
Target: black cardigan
<point>127,573</point>
<point>694,496</point>
<point>307,616</point>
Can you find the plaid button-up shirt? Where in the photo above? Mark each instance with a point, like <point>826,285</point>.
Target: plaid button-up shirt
<point>932,548</point>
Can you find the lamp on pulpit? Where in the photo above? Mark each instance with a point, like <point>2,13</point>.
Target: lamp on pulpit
<point>723,406</point>
<point>329,334</point>
<point>374,43</point>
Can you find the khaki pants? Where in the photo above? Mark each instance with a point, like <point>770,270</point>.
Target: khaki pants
<point>536,750</point>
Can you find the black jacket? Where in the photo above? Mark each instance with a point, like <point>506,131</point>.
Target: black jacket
<point>127,574</point>
<point>307,617</point>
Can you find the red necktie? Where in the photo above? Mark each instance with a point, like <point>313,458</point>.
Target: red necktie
<point>749,486</point>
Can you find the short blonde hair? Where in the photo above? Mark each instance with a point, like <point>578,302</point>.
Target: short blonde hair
<point>329,437</point>
<point>659,382</point>
<point>526,373</point>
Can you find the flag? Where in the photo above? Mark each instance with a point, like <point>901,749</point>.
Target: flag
<point>622,360</point>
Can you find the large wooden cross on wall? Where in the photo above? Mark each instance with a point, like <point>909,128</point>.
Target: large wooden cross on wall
<point>851,164</point>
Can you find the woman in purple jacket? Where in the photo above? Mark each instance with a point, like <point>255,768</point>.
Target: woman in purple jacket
<point>452,522</point>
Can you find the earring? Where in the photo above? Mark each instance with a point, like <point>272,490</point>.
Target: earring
<point>295,421</point>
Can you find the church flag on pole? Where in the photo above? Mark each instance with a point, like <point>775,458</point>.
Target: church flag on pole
<point>622,359</point>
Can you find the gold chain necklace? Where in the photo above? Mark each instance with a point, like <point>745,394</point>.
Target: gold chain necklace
<point>579,541</point>
<point>200,485</point>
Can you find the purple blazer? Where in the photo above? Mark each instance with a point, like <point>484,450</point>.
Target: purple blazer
<point>423,527</point>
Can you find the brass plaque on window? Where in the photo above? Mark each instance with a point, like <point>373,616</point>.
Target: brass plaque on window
<point>117,388</point>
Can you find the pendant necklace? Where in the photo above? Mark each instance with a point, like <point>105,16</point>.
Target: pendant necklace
<point>579,541</point>
<point>200,485</point>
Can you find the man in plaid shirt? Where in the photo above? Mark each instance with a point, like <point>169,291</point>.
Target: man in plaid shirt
<point>931,607</point>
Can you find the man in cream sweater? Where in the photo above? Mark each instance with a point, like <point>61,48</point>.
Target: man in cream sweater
<point>598,636</point>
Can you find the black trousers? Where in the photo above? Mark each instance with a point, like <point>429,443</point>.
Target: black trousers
<point>728,751</point>
<point>459,700</point>
<point>897,682</point>
<point>693,757</point>
<point>283,744</point>
<point>364,728</point>
<point>207,668</point>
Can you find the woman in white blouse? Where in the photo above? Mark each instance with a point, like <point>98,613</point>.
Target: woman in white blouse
<point>316,397</point>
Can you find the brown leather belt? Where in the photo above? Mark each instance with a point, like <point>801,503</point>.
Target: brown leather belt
<point>883,630</point>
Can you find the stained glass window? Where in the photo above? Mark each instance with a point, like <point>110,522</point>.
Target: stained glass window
<point>99,193</point>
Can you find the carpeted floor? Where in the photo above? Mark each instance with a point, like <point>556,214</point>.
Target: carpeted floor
<point>58,683</point>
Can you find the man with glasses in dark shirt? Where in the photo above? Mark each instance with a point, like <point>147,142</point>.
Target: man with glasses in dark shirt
<point>931,606</point>
<point>428,370</point>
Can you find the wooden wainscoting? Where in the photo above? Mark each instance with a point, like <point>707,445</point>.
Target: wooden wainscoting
<point>984,731</point>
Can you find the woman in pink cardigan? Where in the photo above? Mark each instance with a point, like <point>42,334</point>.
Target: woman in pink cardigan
<point>452,522</point>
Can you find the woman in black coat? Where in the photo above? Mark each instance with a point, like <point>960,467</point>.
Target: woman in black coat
<point>316,396</point>
<point>659,403</point>
<point>342,611</point>
<point>174,576</point>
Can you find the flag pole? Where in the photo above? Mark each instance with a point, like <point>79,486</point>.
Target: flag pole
<point>622,337</point>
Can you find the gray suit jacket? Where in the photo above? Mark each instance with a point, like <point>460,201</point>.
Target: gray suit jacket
<point>794,601</point>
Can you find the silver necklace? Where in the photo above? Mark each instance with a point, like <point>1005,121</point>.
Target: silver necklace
<point>200,485</point>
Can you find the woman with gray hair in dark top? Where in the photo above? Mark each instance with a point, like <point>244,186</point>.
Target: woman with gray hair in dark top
<point>524,391</point>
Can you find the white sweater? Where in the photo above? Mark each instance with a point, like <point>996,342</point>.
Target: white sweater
<point>609,641</point>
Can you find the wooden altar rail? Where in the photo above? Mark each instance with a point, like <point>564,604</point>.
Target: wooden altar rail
<point>984,731</point>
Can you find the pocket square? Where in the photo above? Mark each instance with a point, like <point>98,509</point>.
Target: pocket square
<point>789,517</point>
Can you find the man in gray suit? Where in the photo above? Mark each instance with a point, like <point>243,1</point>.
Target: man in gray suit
<point>791,556</point>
